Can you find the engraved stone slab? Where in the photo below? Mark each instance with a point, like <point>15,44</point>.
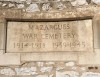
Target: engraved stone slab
<point>49,36</point>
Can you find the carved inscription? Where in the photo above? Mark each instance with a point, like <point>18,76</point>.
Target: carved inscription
<point>49,36</point>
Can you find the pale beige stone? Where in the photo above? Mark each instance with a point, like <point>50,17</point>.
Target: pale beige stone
<point>90,74</point>
<point>26,71</point>
<point>70,64</point>
<point>46,69</point>
<point>49,36</point>
<point>42,76</point>
<point>67,74</point>
<point>7,71</point>
<point>61,56</point>
<point>90,58</point>
<point>40,64</point>
<point>96,29</point>
<point>2,36</point>
<point>9,58</point>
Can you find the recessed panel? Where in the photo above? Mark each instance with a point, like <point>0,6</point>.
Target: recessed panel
<point>64,36</point>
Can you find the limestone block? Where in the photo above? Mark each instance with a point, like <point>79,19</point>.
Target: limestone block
<point>2,35</point>
<point>49,56</point>
<point>90,58</point>
<point>96,29</point>
<point>9,58</point>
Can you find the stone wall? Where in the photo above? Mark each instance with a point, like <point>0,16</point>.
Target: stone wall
<point>46,5</point>
<point>50,69</point>
<point>49,9</point>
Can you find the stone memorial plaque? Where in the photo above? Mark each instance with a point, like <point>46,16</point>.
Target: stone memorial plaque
<point>49,36</point>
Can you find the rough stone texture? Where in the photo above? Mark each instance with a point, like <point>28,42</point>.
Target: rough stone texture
<point>49,9</point>
<point>67,74</point>
<point>7,71</point>
<point>30,69</point>
<point>90,74</point>
<point>96,1</point>
<point>26,71</point>
<point>47,39</point>
<point>32,8</point>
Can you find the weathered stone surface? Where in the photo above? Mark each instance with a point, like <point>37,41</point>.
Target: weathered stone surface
<point>46,7</point>
<point>26,71</point>
<point>50,63</point>
<point>2,35</point>
<point>46,69</point>
<point>89,58</point>
<point>78,2</point>
<point>81,9</point>
<point>60,56</point>
<point>60,6</point>
<point>96,1</point>
<point>40,64</point>
<point>96,30</point>
<point>67,74</point>
<point>11,5</point>
<point>9,59</point>
<point>7,71</point>
<point>42,76</point>
<point>83,68</point>
<point>32,8</point>
<point>90,74</point>
<point>70,64</point>
<point>11,14</point>
<point>20,5</point>
<point>49,37</point>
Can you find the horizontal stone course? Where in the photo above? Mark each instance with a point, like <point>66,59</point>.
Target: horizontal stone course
<point>49,70</point>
